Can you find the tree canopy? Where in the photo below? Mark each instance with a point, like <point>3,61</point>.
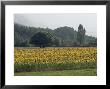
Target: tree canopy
<point>41,39</point>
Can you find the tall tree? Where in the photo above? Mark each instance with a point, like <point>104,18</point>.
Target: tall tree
<point>81,34</point>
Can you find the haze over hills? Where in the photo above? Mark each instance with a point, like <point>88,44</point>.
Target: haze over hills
<point>66,36</point>
<point>56,20</point>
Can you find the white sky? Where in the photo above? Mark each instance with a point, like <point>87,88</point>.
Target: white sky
<point>52,21</point>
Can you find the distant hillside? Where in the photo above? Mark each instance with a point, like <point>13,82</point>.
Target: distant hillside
<point>63,36</point>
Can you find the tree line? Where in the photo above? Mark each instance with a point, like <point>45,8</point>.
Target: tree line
<point>25,36</point>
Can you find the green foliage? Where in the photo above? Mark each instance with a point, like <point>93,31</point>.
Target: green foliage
<point>41,39</point>
<point>81,35</point>
<point>60,37</point>
<point>52,67</point>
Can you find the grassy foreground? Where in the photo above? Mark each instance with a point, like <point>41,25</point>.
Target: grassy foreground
<point>83,72</point>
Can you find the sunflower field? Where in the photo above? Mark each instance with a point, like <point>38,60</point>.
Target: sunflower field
<point>47,59</point>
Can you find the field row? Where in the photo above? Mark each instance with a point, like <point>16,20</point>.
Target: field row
<point>40,59</point>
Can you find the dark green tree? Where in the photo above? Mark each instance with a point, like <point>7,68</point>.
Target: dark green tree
<point>81,35</point>
<point>41,39</point>
<point>56,42</point>
<point>93,43</point>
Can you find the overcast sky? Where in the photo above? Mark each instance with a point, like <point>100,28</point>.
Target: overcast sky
<point>88,20</point>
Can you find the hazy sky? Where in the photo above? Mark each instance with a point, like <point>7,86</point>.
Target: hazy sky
<point>88,20</point>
